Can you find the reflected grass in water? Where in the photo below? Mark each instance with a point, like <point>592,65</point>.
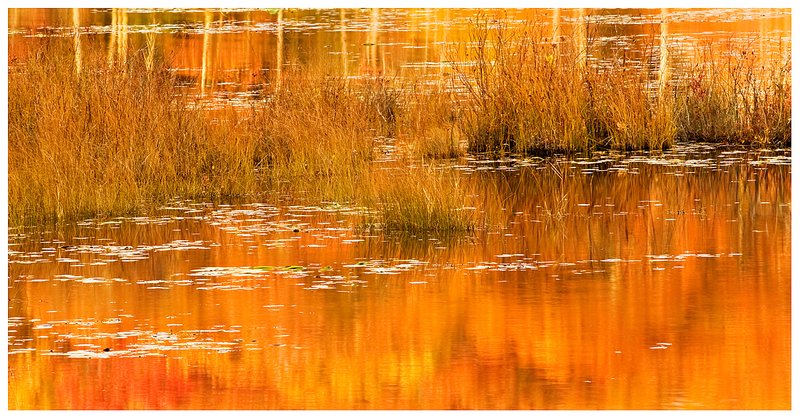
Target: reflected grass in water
<point>656,297</point>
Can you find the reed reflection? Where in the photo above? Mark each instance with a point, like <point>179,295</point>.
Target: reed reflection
<point>77,38</point>
<point>384,49</point>
<point>663,68</point>
<point>651,287</point>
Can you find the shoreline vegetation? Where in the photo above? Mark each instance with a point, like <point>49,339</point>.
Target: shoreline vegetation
<point>106,139</point>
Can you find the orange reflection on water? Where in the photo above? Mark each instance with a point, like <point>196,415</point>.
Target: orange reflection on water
<point>663,286</point>
<point>230,51</point>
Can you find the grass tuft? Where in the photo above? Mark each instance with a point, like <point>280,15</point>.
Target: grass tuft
<point>107,139</point>
<point>528,95</point>
<point>735,97</point>
<point>420,200</point>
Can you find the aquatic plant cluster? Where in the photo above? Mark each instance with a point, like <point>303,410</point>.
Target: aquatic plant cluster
<point>99,138</point>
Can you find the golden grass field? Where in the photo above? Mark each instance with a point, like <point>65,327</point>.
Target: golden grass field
<point>107,139</point>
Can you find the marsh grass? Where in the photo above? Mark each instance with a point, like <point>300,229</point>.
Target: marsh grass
<point>317,135</point>
<point>314,128</point>
<point>419,200</point>
<point>735,96</point>
<point>523,96</point>
<point>429,123</point>
<point>624,115</point>
<point>116,138</point>
<point>527,94</point>
<point>108,138</point>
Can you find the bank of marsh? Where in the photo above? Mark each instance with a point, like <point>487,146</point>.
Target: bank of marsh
<point>97,137</point>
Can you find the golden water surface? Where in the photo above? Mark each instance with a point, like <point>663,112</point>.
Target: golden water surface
<point>643,280</point>
<point>222,52</point>
<point>657,282</point>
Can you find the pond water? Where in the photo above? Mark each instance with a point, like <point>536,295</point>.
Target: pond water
<point>621,281</point>
<point>230,54</point>
<point>644,280</point>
